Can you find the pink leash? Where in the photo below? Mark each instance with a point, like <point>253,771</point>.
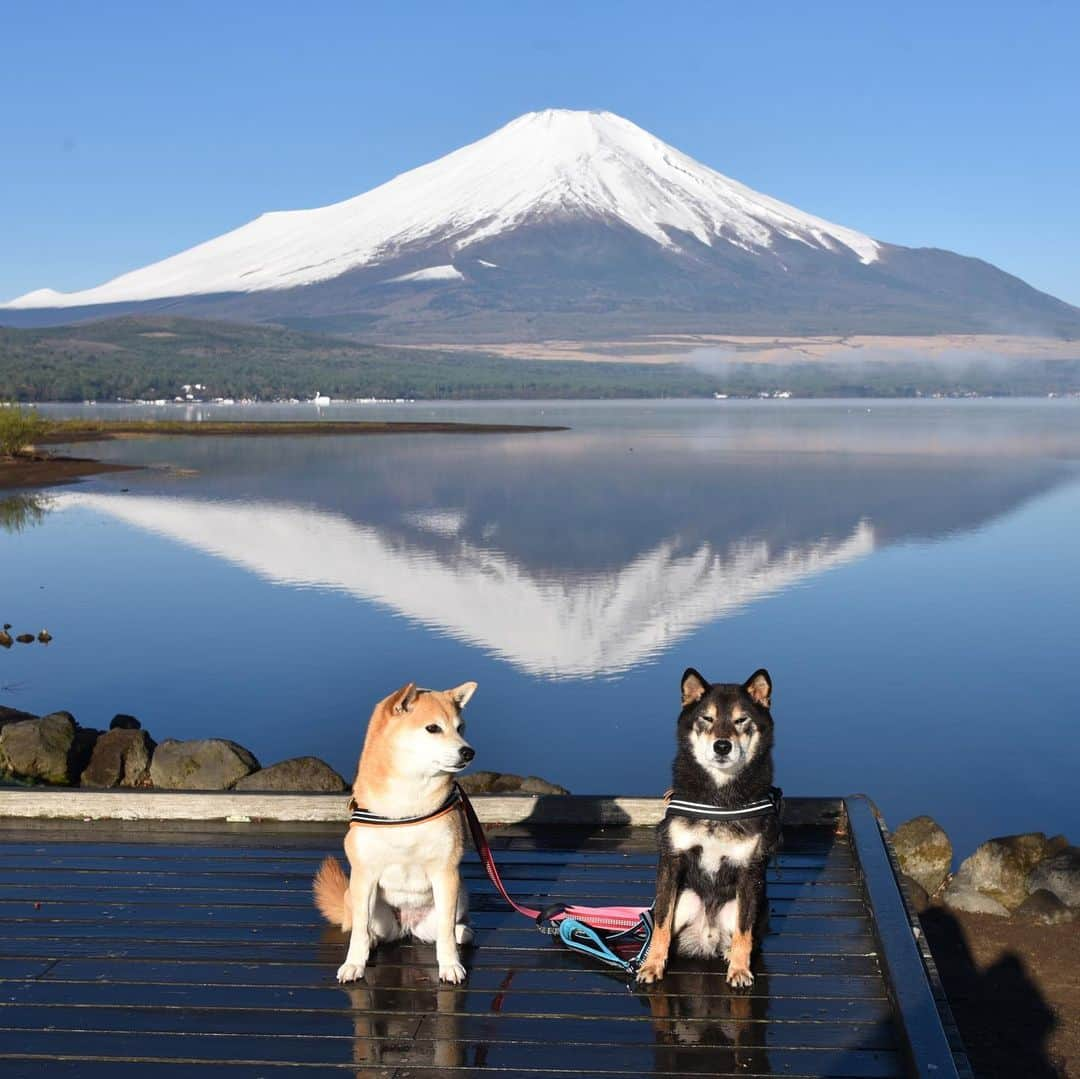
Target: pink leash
<point>613,918</point>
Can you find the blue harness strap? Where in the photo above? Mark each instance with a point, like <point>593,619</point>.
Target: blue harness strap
<point>625,950</point>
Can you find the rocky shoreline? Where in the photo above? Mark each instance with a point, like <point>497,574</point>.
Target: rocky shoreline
<point>56,750</point>
<point>1028,877</point>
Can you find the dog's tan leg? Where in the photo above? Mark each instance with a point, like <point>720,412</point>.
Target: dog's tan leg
<point>362,887</point>
<point>748,906</point>
<point>738,974</point>
<point>445,885</point>
<point>652,970</point>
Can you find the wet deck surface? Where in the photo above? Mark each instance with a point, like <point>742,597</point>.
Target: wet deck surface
<point>178,950</point>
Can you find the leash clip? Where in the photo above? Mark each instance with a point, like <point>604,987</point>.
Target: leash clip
<point>545,920</point>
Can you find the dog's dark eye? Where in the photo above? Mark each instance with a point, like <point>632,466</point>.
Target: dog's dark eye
<point>742,721</point>
<point>433,728</point>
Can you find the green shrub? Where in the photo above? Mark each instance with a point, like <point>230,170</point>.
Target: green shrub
<point>19,428</point>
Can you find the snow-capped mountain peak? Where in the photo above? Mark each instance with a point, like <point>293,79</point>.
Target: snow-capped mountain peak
<point>557,163</point>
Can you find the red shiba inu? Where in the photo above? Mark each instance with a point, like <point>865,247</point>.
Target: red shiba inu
<point>405,844</point>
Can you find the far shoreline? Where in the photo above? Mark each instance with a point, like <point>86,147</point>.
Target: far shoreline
<point>49,471</point>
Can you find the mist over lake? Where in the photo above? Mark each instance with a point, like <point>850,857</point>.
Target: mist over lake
<point>905,570</point>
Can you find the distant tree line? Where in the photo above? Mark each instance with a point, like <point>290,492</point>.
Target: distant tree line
<point>155,357</point>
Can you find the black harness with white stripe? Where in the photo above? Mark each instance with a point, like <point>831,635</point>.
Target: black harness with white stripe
<point>365,816</point>
<point>773,804</point>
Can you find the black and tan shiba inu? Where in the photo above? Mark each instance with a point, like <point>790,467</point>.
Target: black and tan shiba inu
<point>710,881</point>
<point>403,858</point>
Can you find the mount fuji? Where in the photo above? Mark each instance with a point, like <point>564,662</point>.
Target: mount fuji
<point>563,223</point>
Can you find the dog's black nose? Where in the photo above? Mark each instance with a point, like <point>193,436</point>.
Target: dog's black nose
<point>721,747</point>
<point>467,753</point>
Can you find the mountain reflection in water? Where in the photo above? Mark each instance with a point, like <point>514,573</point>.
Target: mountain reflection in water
<point>900,570</point>
<point>573,625</point>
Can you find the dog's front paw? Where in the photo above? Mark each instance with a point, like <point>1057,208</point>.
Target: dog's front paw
<point>350,972</point>
<point>740,977</point>
<point>652,970</point>
<point>454,973</point>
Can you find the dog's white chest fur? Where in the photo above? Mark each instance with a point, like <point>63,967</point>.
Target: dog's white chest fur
<point>402,859</point>
<point>717,845</point>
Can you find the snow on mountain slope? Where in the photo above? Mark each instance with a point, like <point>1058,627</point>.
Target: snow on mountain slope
<point>553,163</point>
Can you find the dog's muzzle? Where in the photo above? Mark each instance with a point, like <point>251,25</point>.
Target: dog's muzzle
<point>722,748</point>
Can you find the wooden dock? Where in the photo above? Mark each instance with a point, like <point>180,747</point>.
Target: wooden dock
<point>182,948</point>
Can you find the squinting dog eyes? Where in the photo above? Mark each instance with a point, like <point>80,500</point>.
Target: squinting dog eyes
<point>433,728</point>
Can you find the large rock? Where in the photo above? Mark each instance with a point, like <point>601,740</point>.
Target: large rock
<point>121,758</point>
<point>1059,874</point>
<point>203,764</point>
<point>1000,867</point>
<point>1044,908</point>
<point>478,782</point>
<point>297,774</point>
<point>960,895</point>
<point>507,783</point>
<point>536,785</point>
<point>924,852</point>
<point>14,715</point>
<point>39,748</point>
<point>122,721</point>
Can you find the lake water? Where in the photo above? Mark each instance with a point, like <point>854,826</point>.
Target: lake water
<point>907,572</point>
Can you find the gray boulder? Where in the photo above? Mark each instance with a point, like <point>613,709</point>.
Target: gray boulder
<point>536,785</point>
<point>121,758</point>
<point>507,783</point>
<point>923,851</point>
<point>14,715</point>
<point>1044,908</point>
<point>960,895</point>
<point>1000,867</point>
<point>39,748</point>
<point>1059,874</point>
<point>297,774</point>
<point>202,764</point>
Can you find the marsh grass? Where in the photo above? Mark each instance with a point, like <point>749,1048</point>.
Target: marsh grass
<point>20,428</point>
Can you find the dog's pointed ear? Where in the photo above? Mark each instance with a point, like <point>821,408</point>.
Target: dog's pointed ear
<point>759,687</point>
<point>461,695</point>
<point>404,699</point>
<point>694,687</point>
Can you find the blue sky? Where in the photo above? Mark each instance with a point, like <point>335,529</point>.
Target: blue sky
<point>134,130</point>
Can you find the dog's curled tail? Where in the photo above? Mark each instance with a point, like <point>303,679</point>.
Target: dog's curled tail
<point>329,887</point>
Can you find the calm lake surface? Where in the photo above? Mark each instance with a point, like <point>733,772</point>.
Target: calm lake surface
<point>908,572</point>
